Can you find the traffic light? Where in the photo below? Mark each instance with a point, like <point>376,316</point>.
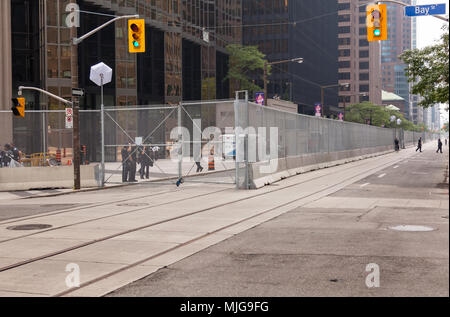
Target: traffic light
<point>136,35</point>
<point>18,107</point>
<point>376,22</point>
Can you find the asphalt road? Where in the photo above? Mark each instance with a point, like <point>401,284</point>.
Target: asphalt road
<point>330,246</point>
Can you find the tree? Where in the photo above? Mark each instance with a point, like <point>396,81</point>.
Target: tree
<point>378,116</point>
<point>427,69</point>
<point>246,62</point>
<point>445,127</point>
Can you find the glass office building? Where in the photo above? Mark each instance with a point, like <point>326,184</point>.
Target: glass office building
<point>287,29</point>
<point>177,65</point>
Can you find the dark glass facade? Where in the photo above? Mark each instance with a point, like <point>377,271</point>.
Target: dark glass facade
<point>287,31</point>
<point>179,62</point>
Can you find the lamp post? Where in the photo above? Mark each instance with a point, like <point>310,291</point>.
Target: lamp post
<point>266,64</point>
<point>74,79</point>
<point>322,93</point>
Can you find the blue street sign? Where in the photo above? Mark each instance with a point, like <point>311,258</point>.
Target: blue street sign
<point>429,9</point>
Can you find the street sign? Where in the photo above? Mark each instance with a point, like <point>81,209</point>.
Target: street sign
<point>69,112</point>
<point>69,122</point>
<point>424,10</point>
<point>260,98</point>
<point>318,108</point>
<point>78,92</point>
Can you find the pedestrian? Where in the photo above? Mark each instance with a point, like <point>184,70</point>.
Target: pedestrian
<point>419,145</point>
<point>144,160</point>
<point>397,144</point>
<point>124,153</point>
<point>445,142</point>
<point>439,146</point>
<point>132,164</point>
<point>7,155</point>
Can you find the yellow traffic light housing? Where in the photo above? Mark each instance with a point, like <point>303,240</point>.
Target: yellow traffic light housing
<point>18,107</point>
<point>136,36</point>
<point>376,22</point>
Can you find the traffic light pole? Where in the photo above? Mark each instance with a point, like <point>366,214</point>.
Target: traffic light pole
<point>75,100</point>
<point>406,5</point>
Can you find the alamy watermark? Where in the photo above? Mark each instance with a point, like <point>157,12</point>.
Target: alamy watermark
<point>73,278</point>
<point>373,278</point>
<point>73,18</point>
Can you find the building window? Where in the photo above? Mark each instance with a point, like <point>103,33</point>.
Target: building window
<point>364,65</point>
<point>343,29</point>
<point>344,52</point>
<point>363,88</point>
<point>344,76</point>
<point>364,76</point>
<point>343,6</point>
<point>363,54</point>
<point>344,41</point>
<point>344,64</point>
<point>363,43</point>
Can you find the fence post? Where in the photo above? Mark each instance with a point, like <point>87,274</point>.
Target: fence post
<point>102,115</point>
<point>180,141</point>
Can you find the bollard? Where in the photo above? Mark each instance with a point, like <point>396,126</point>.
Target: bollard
<point>211,165</point>
<point>58,156</point>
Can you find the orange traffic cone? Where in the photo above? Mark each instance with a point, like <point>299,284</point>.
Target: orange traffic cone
<point>211,165</point>
<point>69,163</point>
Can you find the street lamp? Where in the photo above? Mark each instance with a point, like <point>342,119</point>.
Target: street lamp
<point>322,93</point>
<point>266,63</point>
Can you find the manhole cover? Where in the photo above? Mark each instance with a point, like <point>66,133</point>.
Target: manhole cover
<point>411,228</point>
<point>30,227</point>
<point>133,204</point>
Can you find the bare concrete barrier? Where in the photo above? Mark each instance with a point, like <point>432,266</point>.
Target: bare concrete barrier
<point>295,165</point>
<point>27,178</point>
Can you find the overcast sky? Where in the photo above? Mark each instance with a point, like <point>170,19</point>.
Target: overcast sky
<point>429,31</point>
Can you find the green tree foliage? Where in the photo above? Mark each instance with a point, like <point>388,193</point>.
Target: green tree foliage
<point>379,116</point>
<point>445,127</point>
<point>427,68</point>
<point>245,62</point>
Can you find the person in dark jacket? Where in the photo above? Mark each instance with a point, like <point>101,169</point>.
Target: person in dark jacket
<point>419,145</point>
<point>132,152</point>
<point>397,144</point>
<point>439,146</point>
<point>145,160</point>
<point>124,153</point>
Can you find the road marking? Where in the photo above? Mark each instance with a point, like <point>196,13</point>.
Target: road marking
<point>396,166</point>
<point>382,175</point>
<point>417,173</point>
<point>364,185</point>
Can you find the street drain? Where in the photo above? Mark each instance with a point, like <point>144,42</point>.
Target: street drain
<point>132,205</point>
<point>412,228</point>
<point>30,227</point>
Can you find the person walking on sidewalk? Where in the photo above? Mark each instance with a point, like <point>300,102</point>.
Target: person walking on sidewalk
<point>439,146</point>
<point>419,145</point>
<point>397,144</point>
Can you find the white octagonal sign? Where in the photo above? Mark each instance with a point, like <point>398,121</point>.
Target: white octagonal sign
<point>99,70</point>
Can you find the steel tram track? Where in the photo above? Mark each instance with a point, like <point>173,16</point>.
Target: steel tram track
<point>127,267</point>
<point>35,259</point>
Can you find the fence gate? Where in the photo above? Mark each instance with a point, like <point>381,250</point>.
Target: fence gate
<point>188,142</point>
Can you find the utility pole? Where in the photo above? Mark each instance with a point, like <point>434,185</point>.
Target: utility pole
<point>76,107</point>
<point>75,101</point>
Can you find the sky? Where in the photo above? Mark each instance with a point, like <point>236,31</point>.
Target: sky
<point>428,32</point>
